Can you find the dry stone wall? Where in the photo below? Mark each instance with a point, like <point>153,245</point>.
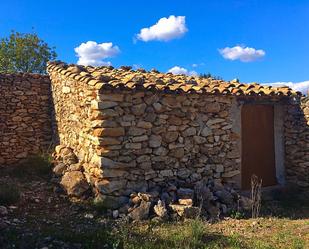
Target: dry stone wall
<point>297,142</point>
<point>24,116</point>
<point>72,113</point>
<point>130,140</point>
<point>146,139</point>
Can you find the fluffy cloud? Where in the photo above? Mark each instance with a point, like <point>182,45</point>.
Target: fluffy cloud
<point>165,29</point>
<point>92,53</point>
<point>298,86</point>
<point>181,70</point>
<point>244,54</point>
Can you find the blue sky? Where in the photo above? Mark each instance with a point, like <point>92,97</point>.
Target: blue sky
<point>280,29</point>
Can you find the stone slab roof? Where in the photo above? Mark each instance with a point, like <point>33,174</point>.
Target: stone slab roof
<point>108,77</point>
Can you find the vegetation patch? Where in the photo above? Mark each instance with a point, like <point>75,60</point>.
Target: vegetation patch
<point>36,165</point>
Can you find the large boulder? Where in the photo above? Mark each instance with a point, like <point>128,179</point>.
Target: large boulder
<point>74,182</point>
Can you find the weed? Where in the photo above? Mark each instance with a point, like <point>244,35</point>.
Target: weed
<point>197,232</point>
<point>237,215</point>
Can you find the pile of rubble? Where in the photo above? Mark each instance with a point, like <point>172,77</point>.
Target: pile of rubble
<point>207,199</point>
<point>69,173</point>
<point>170,200</point>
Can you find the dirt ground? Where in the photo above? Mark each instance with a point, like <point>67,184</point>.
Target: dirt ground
<point>43,217</point>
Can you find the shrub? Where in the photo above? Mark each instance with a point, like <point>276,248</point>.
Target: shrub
<point>36,165</point>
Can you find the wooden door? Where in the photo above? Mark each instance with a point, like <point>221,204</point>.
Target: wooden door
<point>258,147</point>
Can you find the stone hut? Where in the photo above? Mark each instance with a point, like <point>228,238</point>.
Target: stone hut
<point>135,130</point>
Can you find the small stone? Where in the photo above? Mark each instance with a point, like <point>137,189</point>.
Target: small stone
<point>155,141</point>
<point>224,209</point>
<point>166,173</point>
<point>107,186</point>
<point>199,139</point>
<point>231,173</point>
<point>109,132</point>
<point>145,125</point>
<point>115,214</point>
<point>66,89</point>
<point>158,107</point>
<point>224,196</point>
<point>219,168</point>
<point>191,131</point>
<point>212,107</point>
<point>59,169</point>
<point>136,131</point>
<point>160,209</point>
<point>89,216</point>
<point>186,202</point>
<point>170,136</point>
<point>75,167</point>
<point>177,152</point>
<point>3,211</point>
<point>185,193</point>
<point>141,212</point>
<point>213,211</point>
<point>206,132</point>
<point>133,146</point>
<point>185,211</point>
<point>138,109</point>
<point>111,97</point>
<point>191,212</point>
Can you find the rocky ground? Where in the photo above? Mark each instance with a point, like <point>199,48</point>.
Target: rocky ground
<point>44,217</point>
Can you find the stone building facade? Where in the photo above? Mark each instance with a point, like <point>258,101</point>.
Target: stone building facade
<point>25,117</point>
<point>136,130</point>
<point>297,143</point>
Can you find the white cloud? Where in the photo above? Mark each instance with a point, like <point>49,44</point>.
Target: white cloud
<point>244,54</point>
<point>298,86</point>
<point>198,64</point>
<point>181,70</point>
<point>165,29</point>
<point>92,53</point>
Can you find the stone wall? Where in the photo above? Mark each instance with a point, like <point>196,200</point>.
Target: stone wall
<point>72,112</point>
<point>147,139</point>
<point>132,141</point>
<point>24,116</point>
<point>297,142</point>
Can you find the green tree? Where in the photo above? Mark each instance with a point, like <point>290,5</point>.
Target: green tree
<point>209,75</point>
<point>24,53</point>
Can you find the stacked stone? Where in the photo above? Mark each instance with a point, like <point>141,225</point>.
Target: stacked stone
<point>297,142</point>
<point>145,139</point>
<point>25,124</point>
<point>72,95</point>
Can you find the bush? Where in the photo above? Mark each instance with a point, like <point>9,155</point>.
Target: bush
<point>36,165</point>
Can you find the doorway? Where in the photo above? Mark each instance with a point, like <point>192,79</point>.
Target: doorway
<point>258,145</point>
